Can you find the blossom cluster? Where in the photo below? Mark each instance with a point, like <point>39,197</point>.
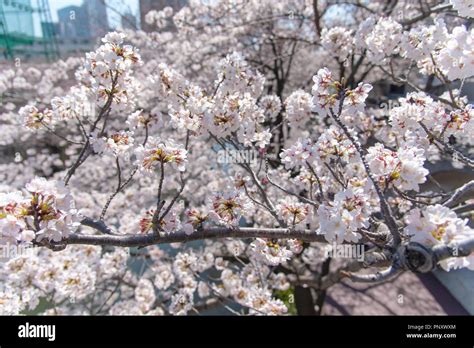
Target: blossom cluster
<point>339,41</point>
<point>418,108</point>
<point>117,144</point>
<point>66,278</point>
<point>75,105</point>
<point>235,107</point>
<point>33,118</point>
<point>341,219</point>
<point>168,224</point>
<point>298,107</point>
<point>333,144</point>
<point>292,212</point>
<point>151,121</point>
<point>246,290</point>
<point>273,253</point>
<point>194,219</point>
<point>232,108</point>
<point>44,211</point>
<point>228,207</point>
<point>456,58</point>
<point>328,94</point>
<point>298,154</point>
<point>159,18</point>
<point>437,225</point>
<point>271,104</point>
<point>380,37</point>
<point>155,152</point>
<point>421,44</point>
<point>204,82</point>
<point>108,71</point>
<point>403,168</point>
<point>439,52</point>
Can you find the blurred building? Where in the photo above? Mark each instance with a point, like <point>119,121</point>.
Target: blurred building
<point>128,21</point>
<point>80,27</point>
<point>49,28</point>
<point>18,38</point>
<point>73,23</point>
<point>97,14</point>
<point>148,5</point>
<point>18,17</point>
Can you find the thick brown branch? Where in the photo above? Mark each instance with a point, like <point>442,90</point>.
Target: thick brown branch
<point>132,240</point>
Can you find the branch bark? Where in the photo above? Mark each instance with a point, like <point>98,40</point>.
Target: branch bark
<point>132,240</point>
<point>459,194</point>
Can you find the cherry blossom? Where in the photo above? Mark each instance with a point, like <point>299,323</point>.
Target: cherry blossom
<point>349,212</point>
<point>455,58</point>
<point>339,41</point>
<point>298,154</point>
<point>118,144</point>
<point>271,104</point>
<point>44,211</point>
<point>380,37</point>
<point>33,118</point>
<point>437,225</point>
<point>111,160</point>
<point>403,168</point>
<point>333,144</point>
<point>155,152</point>
<point>292,212</point>
<point>298,107</point>
<point>228,207</point>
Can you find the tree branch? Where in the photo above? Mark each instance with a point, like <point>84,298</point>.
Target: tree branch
<point>385,208</point>
<point>459,194</point>
<point>381,276</point>
<point>135,240</point>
